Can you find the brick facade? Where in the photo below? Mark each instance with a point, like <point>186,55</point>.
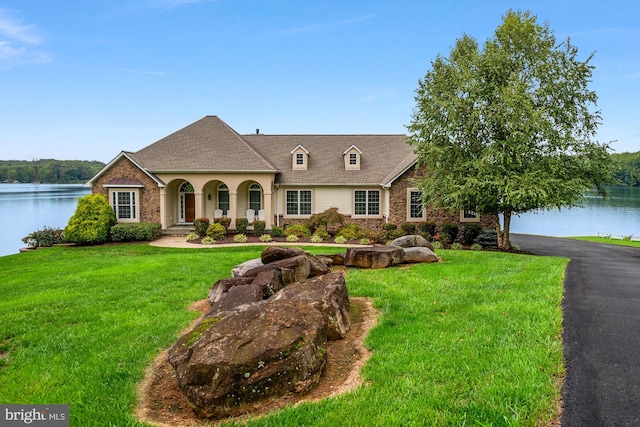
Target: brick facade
<point>149,202</point>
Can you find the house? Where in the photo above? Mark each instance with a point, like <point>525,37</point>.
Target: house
<point>209,170</point>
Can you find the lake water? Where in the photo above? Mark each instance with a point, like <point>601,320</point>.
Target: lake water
<point>25,208</point>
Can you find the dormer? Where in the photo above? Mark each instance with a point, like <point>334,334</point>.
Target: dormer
<point>352,156</point>
<point>299,158</point>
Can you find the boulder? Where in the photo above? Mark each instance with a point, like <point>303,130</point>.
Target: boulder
<point>270,282</point>
<point>299,264</point>
<point>317,267</point>
<point>329,294</point>
<point>412,241</point>
<point>237,296</point>
<point>276,253</point>
<point>240,269</point>
<point>262,350</point>
<point>336,259</point>
<point>419,254</point>
<point>378,256</point>
<point>223,285</point>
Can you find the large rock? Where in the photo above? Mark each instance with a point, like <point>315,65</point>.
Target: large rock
<point>276,253</point>
<point>266,349</point>
<point>222,286</point>
<point>336,259</point>
<point>270,281</point>
<point>329,294</point>
<point>299,264</point>
<point>419,254</point>
<point>237,296</point>
<point>377,256</point>
<point>412,241</point>
<point>240,269</point>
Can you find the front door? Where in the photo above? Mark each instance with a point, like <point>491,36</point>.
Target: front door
<point>189,207</point>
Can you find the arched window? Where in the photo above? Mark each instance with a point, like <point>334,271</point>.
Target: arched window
<point>255,197</point>
<point>223,198</point>
<point>186,187</point>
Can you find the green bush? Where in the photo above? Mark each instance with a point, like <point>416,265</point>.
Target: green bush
<point>378,237</point>
<point>208,241</point>
<point>427,229</point>
<point>277,231</point>
<point>44,238</point>
<point>226,222</point>
<point>351,231</point>
<point>299,230</point>
<point>388,226</point>
<point>437,245</point>
<point>292,238</point>
<point>451,230</point>
<point>324,219</point>
<point>201,225</point>
<point>240,238</point>
<point>456,246</point>
<point>487,239</point>
<point>241,225</point>
<point>365,241</point>
<point>408,227</point>
<point>470,232</point>
<point>135,232</point>
<point>323,234</point>
<point>91,222</point>
<point>258,227</point>
<point>265,238</point>
<point>341,240</point>
<point>192,236</point>
<point>216,231</point>
<point>316,238</point>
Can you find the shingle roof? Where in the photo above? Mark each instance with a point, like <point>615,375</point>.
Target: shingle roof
<point>206,145</point>
<point>381,156</point>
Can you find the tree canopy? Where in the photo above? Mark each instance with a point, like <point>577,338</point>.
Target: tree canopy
<point>49,171</point>
<point>508,128</point>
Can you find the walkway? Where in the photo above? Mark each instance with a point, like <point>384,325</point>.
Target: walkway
<point>601,330</point>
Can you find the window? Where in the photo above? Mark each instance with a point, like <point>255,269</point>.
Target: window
<point>415,205</point>
<point>298,202</point>
<point>299,159</point>
<point>367,202</point>
<point>223,198</point>
<point>353,159</point>
<point>255,197</point>
<point>469,215</point>
<point>124,204</point>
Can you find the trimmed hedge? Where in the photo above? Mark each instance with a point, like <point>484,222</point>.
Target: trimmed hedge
<point>135,232</point>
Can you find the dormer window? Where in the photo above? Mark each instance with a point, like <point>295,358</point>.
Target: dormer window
<point>352,157</point>
<point>300,158</point>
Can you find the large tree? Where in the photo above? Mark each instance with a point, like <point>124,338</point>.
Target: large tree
<point>508,128</point>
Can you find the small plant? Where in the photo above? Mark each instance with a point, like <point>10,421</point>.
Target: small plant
<point>341,240</point>
<point>258,227</point>
<point>456,246</point>
<point>208,240</point>
<point>277,231</point>
<point>44,238</point>
<point>216,231</point>
<point>476,247</point>
<point>266,238</point>
<point>292,238</point>
<point>240,238</point>
<point>323,234</point>
<point>316,238</point>
<point>241,225</point>
<point>365,241</point>
<point>437,245</point>
<point>192,236</point>
<point>201,225</point>
<point>408,227</point>
<point>298,230</point>
<point>378,237</point>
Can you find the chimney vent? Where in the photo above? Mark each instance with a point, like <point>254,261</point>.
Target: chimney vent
<point>257,131</point>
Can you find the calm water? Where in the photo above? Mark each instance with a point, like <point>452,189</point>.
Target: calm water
<point>25,208</point>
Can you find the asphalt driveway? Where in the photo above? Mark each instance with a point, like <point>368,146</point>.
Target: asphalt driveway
<point>601,330</point>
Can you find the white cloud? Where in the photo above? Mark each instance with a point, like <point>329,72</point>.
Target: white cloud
<point>18,42</point>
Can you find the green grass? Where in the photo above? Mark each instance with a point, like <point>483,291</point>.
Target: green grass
<point>473,340</point>
<point>608,241</point>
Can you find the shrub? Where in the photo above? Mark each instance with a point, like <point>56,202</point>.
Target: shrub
<point>299,230</point>
<point>192,236</point>
<point>387,226</point>
<point>258,227</point>
<point>324,219</point>
<point>398,232</point>
<point>378,237</point>
<point>241,225</point>
<point>316,238</point>
<point>216,231</point>
<point>208,241</point>
<point>476,247</point>
<point>341,240</point>
<point>277,231</point>
<point>44,238</point>
<point>324,235</point>
<point>456,246</point>
<point>135,232</point>
<point>292,238</point>
<point>487,239</point>
<point>265,238</point>
<point>240,238</point>
<point>365,241</point>
<point>201,225</point>
<point>451,230</point>
<point>437,245</point>
<point>408,227</point>
<point>91,222</point>
<point>427,229</point>
<point>470,232</point>
<point>351,231</point>
<point>226,222</point>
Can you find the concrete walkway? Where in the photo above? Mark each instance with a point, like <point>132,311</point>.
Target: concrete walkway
<point>601,330</point>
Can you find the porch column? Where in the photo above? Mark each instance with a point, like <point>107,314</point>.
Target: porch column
<point>233,208</point>
<point>268,212</point>
<point>163,208</point>
<point>199,204</point>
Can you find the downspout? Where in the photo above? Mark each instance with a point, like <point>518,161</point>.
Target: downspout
<point>277,187</point>
<point>387,198</point>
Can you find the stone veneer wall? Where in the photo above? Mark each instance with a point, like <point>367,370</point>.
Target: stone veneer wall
<point>149,207</point>
<point>398,207</point>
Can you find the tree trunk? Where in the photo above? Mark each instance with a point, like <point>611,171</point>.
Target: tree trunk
<point>504,240</point>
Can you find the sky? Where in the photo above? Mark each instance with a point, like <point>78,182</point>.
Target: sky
<point>85,80</point>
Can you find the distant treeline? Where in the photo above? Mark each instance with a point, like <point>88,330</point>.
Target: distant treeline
<point>626,168</point>
<point>48,171</point>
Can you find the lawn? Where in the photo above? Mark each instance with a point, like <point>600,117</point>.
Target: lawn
<point>472,340</point>
<point>634,244</point>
